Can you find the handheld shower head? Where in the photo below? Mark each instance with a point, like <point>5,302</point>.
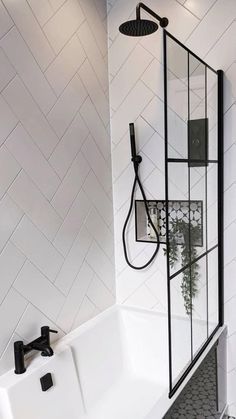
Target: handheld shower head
<point>142,27</point>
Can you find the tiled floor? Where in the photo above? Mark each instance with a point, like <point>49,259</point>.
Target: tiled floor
<point>198,400</point>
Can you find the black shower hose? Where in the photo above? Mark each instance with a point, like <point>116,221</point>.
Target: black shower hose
<point>137,181</point>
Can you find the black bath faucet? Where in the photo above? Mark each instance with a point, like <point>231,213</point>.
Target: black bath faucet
<point>41,344</point>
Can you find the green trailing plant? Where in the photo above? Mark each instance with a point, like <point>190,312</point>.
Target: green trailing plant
<point>183,239</point>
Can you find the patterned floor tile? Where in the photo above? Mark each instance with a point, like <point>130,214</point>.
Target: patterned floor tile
<point>199,398</point>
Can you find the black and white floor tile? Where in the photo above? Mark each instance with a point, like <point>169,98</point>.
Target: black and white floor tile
<point>199,398</point>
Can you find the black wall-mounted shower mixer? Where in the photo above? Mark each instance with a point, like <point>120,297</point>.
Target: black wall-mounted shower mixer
<point>136,159</point>
<point>142,27</point>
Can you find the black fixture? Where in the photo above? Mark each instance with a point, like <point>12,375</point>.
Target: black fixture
<point>142,27</point>
<point>46,382</point>
<point>136,159</point>
<point>198,142</point>
<point>41,344</point>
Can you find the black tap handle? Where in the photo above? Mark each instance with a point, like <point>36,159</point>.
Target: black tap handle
<point>45,334</point>
<point>45,331</point>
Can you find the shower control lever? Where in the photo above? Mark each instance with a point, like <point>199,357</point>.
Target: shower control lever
<point>41,344</point>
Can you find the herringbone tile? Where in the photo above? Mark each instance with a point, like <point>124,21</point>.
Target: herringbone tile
<point>55,186</point>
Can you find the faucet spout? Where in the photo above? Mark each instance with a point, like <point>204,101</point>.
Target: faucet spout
<point>46,350</point>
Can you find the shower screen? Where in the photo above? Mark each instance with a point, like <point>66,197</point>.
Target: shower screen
<point>194,179</point>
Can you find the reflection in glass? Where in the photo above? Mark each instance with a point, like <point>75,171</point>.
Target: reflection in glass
<point>178,215</point>
<point>198,220</point>
<point>212,205</point>
<point>212,105</point>
<point>213,290</point>
<point>196,88</point>
<point>181,329</point>
<point>199,303</point>
<point>177,92</point>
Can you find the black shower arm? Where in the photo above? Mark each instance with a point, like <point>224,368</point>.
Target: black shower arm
<point>147,9</point>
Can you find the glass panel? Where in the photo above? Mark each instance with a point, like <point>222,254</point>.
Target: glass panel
<point>197,211</point>
<point>177,99</point>
<point>197,88</point>
<point>212,205</point>
<point>178,215</point>
<point>193,203</point>
<point>199,303</point>
<point>181,327</point>
<point>213,290</point>
<point>212,106</point>
<point>197,124</point>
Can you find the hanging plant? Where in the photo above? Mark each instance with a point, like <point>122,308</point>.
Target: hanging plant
<point>183,239</point>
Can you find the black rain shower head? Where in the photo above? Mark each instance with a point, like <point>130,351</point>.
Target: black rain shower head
<point>142,27</point>
<point>139,27</point>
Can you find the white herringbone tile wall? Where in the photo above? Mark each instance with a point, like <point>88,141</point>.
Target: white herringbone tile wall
<point>208,27</point>
<point>56,216</point>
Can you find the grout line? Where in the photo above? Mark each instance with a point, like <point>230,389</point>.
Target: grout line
<point>54,10</point>
<point>35,15</point>
<point>56,53</point>
<point>20,121</point>
<point>88,22</point>
<point>17,324</point>
<point>87,56</point>
<point>63,90</point>
<point>6,33</point>
<point>29,176</point>
<point>66,132</point>
<point>187,39</point>
<point>89,283</point>
<point>84,220</point>
<point>19,31</point>
<point>27,259</point>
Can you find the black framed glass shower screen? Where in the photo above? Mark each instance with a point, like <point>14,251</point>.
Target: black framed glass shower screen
<point>193,93</point>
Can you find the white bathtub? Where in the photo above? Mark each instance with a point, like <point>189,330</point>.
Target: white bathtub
<point>113,367</point>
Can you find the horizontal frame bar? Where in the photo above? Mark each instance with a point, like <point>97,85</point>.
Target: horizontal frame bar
<point>193,261</point>
<point>174,160</point>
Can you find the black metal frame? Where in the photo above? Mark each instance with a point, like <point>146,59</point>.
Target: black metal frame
<point>219,73</point>
<point>162,20</point>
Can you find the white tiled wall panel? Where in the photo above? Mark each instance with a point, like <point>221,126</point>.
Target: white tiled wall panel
<point>56,224</point>
<point>136,95</point>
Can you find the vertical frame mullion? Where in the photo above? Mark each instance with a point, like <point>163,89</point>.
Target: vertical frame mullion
<point>167,212</point>
<point>206,201</point>
<point>189,207</point>
<point>221,195</point>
